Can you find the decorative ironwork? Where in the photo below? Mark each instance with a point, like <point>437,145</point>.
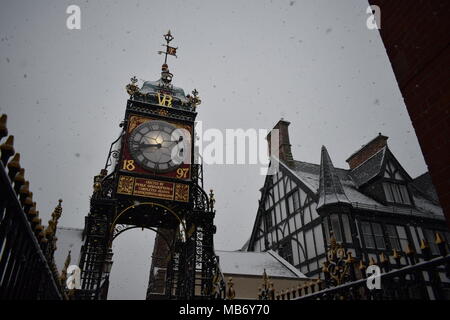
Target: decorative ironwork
<point>113,153</point>
<point>169,50</point>
<point>218,282</point>
<point>132,88</point>
<point>27,267</point>
<point>231,293</point>
<point>194,100</point>
<point>266,291</point>
<point>346,279</point>
<point>190,263</point>
<point>338,267</point>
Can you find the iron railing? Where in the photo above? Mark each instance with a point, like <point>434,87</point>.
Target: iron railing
<point>400,276</point>
<point>25,272</point>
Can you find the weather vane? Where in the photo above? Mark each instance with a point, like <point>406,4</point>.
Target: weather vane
<point>169,50</point>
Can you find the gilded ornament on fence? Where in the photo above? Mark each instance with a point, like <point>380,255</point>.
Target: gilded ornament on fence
<point>339,263</point>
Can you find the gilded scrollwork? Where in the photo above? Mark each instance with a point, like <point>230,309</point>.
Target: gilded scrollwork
<point>125,185</point>
<point>181,192</point>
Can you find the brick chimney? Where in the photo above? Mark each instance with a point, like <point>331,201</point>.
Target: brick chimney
<point>367,151</point>
<point>284,146</point>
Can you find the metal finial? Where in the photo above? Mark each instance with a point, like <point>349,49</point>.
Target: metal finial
<point>194,99</point>
<point>169,50</point>
<point>168,36</point>
<point>63,276</point>
<point>132,88</point>
<point>231,294</point>
<point>212,200</point>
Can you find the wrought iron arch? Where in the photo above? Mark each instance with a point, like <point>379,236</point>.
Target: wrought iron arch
<point>118,230</point>
<point>182,223</point>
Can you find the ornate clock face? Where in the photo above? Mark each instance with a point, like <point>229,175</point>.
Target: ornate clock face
<point>158,146</point>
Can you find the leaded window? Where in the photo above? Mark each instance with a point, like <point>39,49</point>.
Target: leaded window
<point>285,251</point>
<point>396,193</point>
<point>373,235</point>
<point>397,237</point>
<point>335,225</point>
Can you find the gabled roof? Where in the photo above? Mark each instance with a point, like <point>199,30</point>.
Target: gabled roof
<point>309,175</point>
<point>424,184</point>
<point>254,264</point>
<point>369,169</point>
<point>330,188</point>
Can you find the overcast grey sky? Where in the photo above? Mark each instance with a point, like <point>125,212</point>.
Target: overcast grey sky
<point>313,62</point>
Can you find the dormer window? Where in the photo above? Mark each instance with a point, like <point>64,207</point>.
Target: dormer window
<point>396,193</point>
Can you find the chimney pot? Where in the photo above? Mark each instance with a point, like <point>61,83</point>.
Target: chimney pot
<point>368,150</point>
<point>284,146</point>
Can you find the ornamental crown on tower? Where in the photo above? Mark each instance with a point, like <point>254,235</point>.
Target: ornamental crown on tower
<point>162,92</point>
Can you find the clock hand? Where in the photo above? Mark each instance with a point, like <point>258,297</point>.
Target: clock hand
<point>145,145</point>
<point>177,141</point>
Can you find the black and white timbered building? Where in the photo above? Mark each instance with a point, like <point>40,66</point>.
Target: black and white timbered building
<point>372,207</point>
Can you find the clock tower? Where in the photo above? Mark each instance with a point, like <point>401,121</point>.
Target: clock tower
<point>150,180</point>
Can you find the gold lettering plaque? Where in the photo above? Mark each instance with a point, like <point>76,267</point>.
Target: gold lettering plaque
<point>153,189</point>
<point>150,188</point>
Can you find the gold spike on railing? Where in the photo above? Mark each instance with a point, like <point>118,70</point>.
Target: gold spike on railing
<point>441,243</point>
<point>7,150</point>
<point>63,276</point>
<point>395,254</point>
<point>19,179</point>
<point>409,250</point>
<point>350,258</point>
<point>271,291</point>
<point>28,202</point>
<point>300,290</point>
<point>438,239</point>
<point>231,294</point>
<point>39,229</point>
<point>24,190</point>
<point>424,244</point>
<point>36,220</point>
<point>32,213</point>
<point>362,266</point>
<point>3,128</point>
<point>14,166</point>
<point>383,258</point>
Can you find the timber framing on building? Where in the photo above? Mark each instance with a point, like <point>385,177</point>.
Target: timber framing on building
<point>373,208</point>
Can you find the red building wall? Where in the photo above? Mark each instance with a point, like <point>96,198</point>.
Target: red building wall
<point>416,35</point>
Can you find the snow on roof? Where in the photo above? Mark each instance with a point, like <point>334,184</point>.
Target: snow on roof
<point>309,174</point>
<point>254,263</point>
<point>68,239</point>
<point>330,188</point>
<point>427,206</point>
<point>369,168</point>
<point>425,185</point>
